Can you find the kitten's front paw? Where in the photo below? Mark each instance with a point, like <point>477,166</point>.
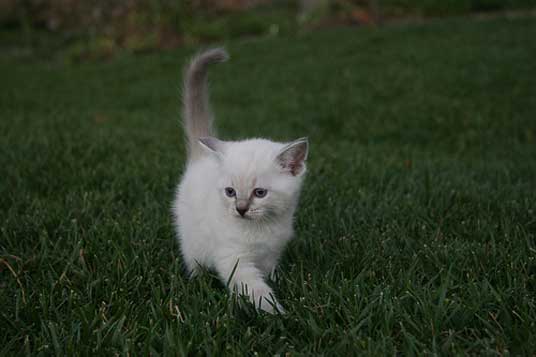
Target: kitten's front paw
<point>269,305</point>
<point>264,300</point>
<point>274,275</point>
<point>276,308</point>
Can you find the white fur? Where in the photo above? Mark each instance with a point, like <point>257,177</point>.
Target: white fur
<point>244,251</point>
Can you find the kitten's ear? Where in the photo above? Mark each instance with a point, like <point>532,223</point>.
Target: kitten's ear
<point>212,145</point>
<point>292,157</point>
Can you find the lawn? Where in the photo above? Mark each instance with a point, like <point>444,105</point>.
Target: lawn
<point>416,228</point>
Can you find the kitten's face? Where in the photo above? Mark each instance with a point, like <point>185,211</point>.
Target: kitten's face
<point>259,179</point>
<point>256,195</point>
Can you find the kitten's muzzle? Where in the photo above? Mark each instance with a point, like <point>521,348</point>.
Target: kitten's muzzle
<point>242,207</point>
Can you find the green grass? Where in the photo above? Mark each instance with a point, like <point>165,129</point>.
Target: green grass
<point>416,231</point>
<point>453,7</point>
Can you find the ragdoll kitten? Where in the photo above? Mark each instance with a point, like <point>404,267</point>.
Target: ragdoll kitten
<point>235,204</point>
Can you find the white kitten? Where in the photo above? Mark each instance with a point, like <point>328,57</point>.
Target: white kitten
<point>235,204</point>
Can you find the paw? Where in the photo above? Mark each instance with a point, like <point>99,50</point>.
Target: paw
<point>194,272</point>
<point>264,300</point>
<point>272,307</point>
<point>274,275</point>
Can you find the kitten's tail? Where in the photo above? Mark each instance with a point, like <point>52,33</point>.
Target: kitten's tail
<point>197,116</point>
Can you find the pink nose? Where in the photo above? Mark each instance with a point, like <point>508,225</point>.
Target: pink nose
<point>242,211</point>
<point>242,207</point>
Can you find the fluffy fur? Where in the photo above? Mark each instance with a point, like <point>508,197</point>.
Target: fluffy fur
<point>235,203</point>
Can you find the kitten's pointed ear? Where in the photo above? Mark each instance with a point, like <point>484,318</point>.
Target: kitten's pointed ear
<point>212,145</point>
<point>292,157</point>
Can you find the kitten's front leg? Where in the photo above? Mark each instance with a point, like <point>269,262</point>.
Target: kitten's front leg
<point>245,279</point>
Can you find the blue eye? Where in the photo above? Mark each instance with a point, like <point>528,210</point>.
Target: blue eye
<point>260,192</point>
<point>230,192</point>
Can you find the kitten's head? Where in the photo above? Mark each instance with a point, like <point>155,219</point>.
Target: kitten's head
<point>258,179</point>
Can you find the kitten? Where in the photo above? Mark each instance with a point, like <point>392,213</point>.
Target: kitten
<point>235,203</point>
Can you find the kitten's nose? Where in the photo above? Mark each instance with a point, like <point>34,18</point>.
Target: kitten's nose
<point>242,207</point>
<point>242,211</point>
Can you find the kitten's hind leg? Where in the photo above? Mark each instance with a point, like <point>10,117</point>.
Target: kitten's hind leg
<point>243,278</point>
<point>192,273</point>
<point>191,267</point>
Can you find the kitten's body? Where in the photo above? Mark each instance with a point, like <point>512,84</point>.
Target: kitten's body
<point>242,245</point>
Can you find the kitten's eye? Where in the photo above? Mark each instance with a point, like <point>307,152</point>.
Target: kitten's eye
<point>230,192</point>
<point>260,192</point>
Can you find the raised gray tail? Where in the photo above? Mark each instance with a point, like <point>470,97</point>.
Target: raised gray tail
<point>197,116</point>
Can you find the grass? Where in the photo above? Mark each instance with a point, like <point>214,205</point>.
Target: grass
<point>416,231</point>
<point>452,7</point>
